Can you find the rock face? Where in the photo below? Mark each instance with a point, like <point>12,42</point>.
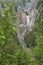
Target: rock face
<point>25,23</point>
<point>25,26</point>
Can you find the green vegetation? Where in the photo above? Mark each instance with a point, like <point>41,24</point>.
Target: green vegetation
<point>11,52</point>
<point>34,40</point>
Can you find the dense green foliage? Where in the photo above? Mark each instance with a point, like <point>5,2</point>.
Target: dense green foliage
<point>11,52</point>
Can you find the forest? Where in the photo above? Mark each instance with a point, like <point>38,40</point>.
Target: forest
<point>11,50</point>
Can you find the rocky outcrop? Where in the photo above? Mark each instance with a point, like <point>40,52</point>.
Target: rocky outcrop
<point>26,23</point>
